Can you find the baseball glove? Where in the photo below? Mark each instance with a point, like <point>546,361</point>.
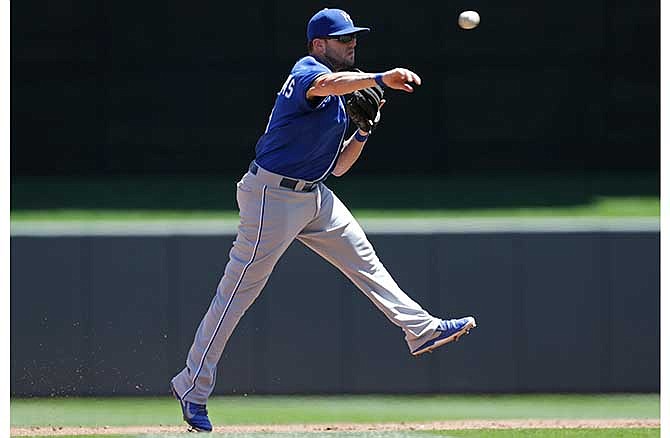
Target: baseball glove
<point>363,107</point>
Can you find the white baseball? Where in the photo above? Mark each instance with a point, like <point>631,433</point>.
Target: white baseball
<point>468,19</point>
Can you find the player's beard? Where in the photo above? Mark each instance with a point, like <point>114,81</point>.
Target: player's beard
<point>338,62</point>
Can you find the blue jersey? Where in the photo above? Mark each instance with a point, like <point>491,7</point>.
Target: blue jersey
<point>303,139</point>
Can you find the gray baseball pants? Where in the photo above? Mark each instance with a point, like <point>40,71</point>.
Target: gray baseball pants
<point>271,217</point>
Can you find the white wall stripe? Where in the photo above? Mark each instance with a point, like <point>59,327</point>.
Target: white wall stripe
<point>371,226</point>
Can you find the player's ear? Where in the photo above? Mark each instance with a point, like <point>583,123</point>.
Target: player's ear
<point>318,45</point>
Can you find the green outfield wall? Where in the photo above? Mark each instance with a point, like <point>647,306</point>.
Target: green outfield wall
<point>558,311</point>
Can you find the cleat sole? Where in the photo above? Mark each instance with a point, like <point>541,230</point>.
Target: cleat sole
<point>455,337</point>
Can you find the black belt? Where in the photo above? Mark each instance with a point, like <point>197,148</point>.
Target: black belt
<point>289,183</point>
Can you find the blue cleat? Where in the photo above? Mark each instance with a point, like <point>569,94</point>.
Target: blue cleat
<point>448,331</point>
<point>194,414</point>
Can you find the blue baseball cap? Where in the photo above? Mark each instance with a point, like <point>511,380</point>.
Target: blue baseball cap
<point>331,22</point>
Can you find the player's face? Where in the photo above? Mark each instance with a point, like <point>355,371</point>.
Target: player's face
<point>341,55</point>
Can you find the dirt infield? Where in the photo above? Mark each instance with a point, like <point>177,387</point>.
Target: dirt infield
<point>348,427</point>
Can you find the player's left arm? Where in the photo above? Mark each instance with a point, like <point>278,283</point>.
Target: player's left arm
<point>352,150</point>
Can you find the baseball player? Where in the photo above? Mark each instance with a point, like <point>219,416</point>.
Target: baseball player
<point>283,197</point>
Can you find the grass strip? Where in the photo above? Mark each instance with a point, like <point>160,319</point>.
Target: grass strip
<point>228,410</point>
<point>481,433</point>
<point>600,208</point>
<point>545,194</point>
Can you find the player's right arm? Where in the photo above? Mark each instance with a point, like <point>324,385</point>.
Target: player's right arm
<point>345,82</point>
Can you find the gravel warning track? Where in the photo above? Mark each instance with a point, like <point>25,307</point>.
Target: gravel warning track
<point>347,427</point>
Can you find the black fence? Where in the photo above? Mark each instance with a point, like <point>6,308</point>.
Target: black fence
<point>120,87</point>
<point>557,312</point>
